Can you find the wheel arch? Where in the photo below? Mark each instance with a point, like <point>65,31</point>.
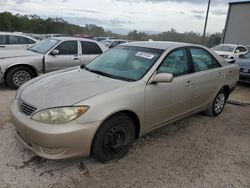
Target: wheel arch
<point>130,114</point>
<point>20,65</point>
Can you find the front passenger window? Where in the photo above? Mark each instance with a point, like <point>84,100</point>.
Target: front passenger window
<point>176,63</point>
<point>67,48</point>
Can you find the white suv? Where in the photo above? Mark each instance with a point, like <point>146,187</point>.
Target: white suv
<point>10,41</point>
<point>230,51</point>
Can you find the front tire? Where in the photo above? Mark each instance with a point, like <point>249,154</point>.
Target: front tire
<point>17,76</point>
<point>114,138</point>
<point>218,104</point>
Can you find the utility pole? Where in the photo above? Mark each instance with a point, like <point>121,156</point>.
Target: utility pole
<point>205,26</point>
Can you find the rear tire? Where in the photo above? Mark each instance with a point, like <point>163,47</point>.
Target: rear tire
<point>218,104</point>
<point>17,76</point>
<point>114,138</point>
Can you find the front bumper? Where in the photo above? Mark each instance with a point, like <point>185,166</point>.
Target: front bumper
<point>244,77</point>
<point>54,141</point>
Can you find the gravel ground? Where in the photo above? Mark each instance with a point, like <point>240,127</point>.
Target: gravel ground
<point>196,152</point>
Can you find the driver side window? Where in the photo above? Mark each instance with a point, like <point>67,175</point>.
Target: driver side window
<point>67,48</point>
<point>176,63</point>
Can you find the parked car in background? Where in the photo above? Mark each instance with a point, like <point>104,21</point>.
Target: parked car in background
<point>11,41</point>
<point>230,51</point>
<point>244,63</point>
<point>248,48</point>
<point>101,108</point>
<point>99,39</point>
<point>113,43</point>
<point>55,35</point>
<point>19,66</point>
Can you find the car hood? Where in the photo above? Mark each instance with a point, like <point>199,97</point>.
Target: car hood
<point>223,52</point>
<point>67,88</point>
<point>243,62</point>
<point>16,53</point>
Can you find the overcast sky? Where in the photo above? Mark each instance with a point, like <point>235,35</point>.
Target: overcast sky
<point>125,15</point>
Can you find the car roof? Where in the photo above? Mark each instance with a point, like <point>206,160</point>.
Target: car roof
<point>163,45</point>
<point>74,38</point>
<point>17,34</point>
<point>234,45</point>
<point>115,40</point>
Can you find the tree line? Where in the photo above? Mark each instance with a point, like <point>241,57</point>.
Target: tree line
<point>36,24</point>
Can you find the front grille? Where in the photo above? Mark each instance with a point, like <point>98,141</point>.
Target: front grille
<point>244,70</point>
<point>26,108</point>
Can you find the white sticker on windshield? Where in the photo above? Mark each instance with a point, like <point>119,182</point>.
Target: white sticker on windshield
<point>145,55</point>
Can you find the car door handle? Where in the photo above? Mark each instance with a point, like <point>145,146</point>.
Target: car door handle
<point>2,46</point>
<point>189,84</point>
<point>76,59</point>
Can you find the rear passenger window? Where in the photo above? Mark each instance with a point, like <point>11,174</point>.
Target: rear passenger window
<point>203,60</point>
<point>176,63</point>
<point>18,40</point>
<point>67,48</point>
<point>3,39</point>
<point>90,48</point>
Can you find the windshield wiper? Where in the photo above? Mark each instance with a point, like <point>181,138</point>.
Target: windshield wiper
<point>107,75</point>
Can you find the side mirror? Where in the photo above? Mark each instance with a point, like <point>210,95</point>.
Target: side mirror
<point>55,52</point>
<point>241,56</point>
<point>162,78</point>
<point>232,61</point>
<point>237,51</point>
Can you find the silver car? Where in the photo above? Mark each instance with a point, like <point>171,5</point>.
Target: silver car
<point>101,108</point>
<point>113,42</point>
<point>15,41</point>
<point>19,66</point>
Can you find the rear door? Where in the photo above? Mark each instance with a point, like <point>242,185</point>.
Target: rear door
<point>209,76</point>
<point>89,51</point>
<point>69,56</point>
<point>167,101</point>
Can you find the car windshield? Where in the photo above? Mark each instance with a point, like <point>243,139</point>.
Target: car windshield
<point>247,55</point>
<point>125,62</point>
<point>44,46</point>
<point>224,48</point>
<point>106,42</point>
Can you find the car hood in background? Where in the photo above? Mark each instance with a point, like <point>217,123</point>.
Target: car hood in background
<point>243,62</point>
<point>16,53</point>
<point>223,52</point>
<point>67,88</point>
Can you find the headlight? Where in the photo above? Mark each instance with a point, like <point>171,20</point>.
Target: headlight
<point>59,115</point>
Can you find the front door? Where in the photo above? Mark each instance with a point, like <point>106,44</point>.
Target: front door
<point>167,101</point>
<point>68,57</point>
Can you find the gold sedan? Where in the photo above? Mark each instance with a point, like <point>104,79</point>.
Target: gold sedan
<point>101,108</point>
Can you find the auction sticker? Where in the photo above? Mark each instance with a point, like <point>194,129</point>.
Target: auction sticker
<point>145,55</point>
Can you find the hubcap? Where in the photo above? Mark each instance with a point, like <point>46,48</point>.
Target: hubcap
<point>20,77</point>
<point>219,103</point>
<point>115,140</point>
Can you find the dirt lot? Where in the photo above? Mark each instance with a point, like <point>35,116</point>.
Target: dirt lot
<point>196,152</point>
